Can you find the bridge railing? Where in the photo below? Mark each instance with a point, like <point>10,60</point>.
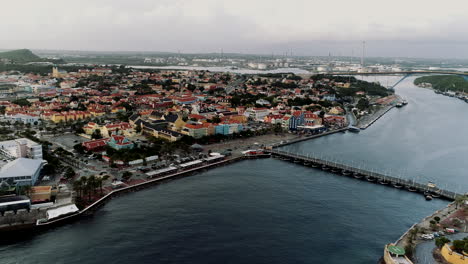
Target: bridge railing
<point>374,174</point>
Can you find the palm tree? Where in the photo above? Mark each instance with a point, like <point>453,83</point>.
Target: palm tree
<point>79,186</point>
<point>90,186</point>
<point>101,180</point>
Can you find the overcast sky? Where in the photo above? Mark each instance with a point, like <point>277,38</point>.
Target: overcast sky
<point>414,28</point>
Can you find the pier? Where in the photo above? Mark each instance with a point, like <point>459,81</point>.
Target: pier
<point>370,176</point>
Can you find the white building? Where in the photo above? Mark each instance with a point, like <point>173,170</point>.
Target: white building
<point>23,118</point>
<point>257,114</point>
<point>22,171</point>
<point>21,148</point>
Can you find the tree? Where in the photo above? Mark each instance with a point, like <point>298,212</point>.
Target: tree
<point>441,241</point>
<point>459,245</point>
<point>79,148</point>
<point>126,175</point>
<point>96,134</point>
<point>101,180</point>
<point>362,104</point>
<point>69,173</point>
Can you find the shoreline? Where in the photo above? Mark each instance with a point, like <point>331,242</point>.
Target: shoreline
<point>90,209</point>
<point>376,116</point>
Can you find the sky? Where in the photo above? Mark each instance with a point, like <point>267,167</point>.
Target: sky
<point>403,28</point>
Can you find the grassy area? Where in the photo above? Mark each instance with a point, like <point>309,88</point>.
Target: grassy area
<point>444,82</point>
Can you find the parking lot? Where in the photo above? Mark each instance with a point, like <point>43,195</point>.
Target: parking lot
<point>66,141</point>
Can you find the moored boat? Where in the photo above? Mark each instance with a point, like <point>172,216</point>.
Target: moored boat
<point>370,179</point>
<point>354,129</point>
<point>428,197</point>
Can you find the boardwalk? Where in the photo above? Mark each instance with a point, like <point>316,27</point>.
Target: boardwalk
<point>371,176</point>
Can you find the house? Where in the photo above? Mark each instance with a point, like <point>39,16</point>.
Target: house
<point>257,113</point>
<point>175,121</point>
<point>120,142</point>
<point>335,121</point>
<point>167,134</point>
<point>194,130</point>
<point>122,128</point>
<point>95,145</point>
<point>311,119</point>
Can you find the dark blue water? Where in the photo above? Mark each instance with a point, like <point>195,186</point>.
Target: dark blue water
<point>270,211</point>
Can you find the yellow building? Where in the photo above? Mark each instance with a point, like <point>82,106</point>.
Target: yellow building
<point>41,193</point>
<point>57,118</point>
<point>453,257</point>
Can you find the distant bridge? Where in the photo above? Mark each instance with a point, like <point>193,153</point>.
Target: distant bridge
<point>370,176</point>
<point>400,73</point>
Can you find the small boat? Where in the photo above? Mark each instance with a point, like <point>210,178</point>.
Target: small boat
<point>335,170</point>
<point>412,189</point>
<point>354,129</point>
<point>396,185</point>
<point>325,168</point>
<point>357,175</point>
<point>383,182</point>
<point>314,165</point>
<point>404,102</point>
<point>399,105</point>
<point>306,163</point>
<point>370,179</point>
<point>435,195</point>
<point>428,197</point>
<point>297,161</point>
<point>345,173</point>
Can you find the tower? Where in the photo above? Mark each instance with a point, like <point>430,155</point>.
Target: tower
<point>363,52</point>
<point>55,72</point>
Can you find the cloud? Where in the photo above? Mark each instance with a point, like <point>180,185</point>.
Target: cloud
<point>258,26</point>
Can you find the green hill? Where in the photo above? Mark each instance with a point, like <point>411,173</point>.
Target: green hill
<point>21,55</point>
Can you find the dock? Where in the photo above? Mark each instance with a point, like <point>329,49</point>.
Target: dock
<point>369,176</point>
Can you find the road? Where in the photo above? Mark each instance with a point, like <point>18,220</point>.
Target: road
<point>423,253</point>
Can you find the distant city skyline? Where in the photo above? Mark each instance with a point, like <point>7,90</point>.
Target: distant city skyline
<point>315,28</point>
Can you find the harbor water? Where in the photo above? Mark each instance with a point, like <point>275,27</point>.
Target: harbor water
<point>271,211</point>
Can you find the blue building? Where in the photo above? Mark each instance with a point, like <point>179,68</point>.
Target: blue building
<point>297,119</point>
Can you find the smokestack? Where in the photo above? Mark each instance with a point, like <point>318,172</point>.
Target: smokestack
<point>363,52</point>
